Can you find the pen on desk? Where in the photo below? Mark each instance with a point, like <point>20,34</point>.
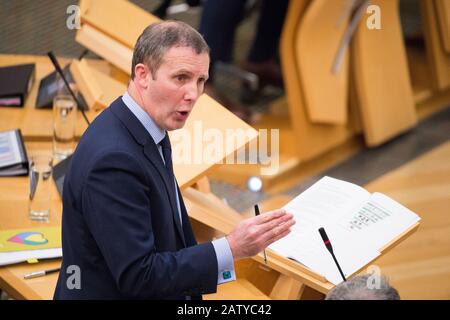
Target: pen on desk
<point>257,214</point>
<point>40,273</point>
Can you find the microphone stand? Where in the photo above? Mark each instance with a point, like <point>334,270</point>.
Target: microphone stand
<point>327,243</point>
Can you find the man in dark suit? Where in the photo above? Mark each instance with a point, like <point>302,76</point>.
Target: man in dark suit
<point>125,227</point>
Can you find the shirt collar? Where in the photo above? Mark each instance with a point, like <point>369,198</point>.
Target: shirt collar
<point>149,124</point>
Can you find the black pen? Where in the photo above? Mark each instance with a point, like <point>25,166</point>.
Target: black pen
<point>257,214</point>
<point>40,273</point>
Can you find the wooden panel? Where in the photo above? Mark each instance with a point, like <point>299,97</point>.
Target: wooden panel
<point>382,78</point>
<point>241,289</point>
<point>111,89</point>
<point>105,32</point>
<point>312,139</point>
<point>317,41</point>
<point>211,211</point>
<point>99,89</point>
<point>106,47</point>
<point>86,83</point>
<point>263,277</point>
<point>420,73</point>
<point>287,288</point>
<point>438,59</point>
<point>119,19</point>
<point>443,13</point>
<point>192,159</point>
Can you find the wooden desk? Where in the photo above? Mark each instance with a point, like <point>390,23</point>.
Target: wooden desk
<point>42,288</point>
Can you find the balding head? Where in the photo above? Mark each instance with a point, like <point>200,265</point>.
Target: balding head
<point>358,289</point>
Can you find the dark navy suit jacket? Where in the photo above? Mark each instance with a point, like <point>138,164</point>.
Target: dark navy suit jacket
<point>120,223</point>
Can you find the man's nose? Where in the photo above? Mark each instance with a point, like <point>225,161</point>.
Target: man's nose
<point>192,91</point>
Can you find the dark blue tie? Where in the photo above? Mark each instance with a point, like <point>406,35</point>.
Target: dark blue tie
<point>167,154</point>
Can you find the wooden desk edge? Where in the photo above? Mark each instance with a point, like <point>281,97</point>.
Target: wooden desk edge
<point>18,290</point>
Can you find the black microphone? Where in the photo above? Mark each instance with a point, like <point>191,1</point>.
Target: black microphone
<point>327,244</point>
<point>59,70</point>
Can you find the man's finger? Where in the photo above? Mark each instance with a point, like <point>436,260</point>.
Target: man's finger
<point>275,222</point>
<point>279,229</point>
<point>278,237</point>
<point>266,217</point>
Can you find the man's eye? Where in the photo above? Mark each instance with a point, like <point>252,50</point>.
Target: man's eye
<point>181,77</point>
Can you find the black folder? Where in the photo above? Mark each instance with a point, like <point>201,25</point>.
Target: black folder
<point>15,84</point>
<point>13,155</point>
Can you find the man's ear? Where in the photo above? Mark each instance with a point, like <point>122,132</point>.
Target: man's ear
<point>141,75</point>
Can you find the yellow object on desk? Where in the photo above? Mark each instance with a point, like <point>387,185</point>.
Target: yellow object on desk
<point>33,261</point>
<point>30,239</point>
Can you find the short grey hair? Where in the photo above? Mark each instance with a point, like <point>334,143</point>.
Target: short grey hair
<point>159,37</point>
<point>358,289</point>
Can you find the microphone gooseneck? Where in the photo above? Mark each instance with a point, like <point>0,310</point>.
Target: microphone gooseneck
<point>328,245</point>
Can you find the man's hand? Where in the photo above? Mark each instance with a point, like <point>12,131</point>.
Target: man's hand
<point>253,235</point>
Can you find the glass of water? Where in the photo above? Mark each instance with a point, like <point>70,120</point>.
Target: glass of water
<point>64,125</point>
<point>40,200</point>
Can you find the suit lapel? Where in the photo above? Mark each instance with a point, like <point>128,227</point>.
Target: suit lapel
<point>143,138</point>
